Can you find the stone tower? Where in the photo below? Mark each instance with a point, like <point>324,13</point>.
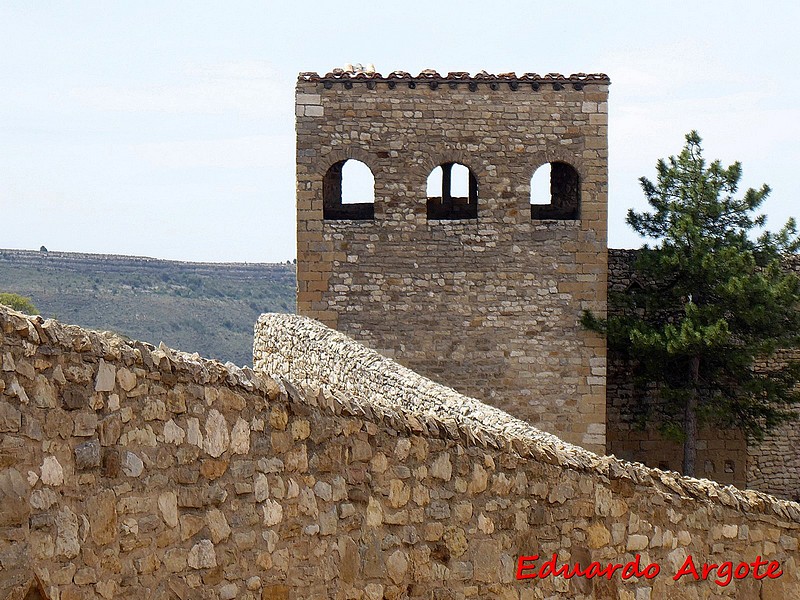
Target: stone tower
<point>451,268</point>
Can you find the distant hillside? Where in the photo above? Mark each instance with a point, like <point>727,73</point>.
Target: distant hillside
<point>209,308</point>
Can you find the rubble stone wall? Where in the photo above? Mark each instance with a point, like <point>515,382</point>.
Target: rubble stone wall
<point>128,471</point>
<point>520,488</point>
<point>773,465</point>
<point>490,305</point>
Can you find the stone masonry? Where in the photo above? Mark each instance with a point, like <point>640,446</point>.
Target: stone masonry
<point>128,471</point>
<point>481,293</point>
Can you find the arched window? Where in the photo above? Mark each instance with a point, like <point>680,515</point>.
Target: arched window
<point>452,192</point>
<point>348,191</point>
<point>555,192</point>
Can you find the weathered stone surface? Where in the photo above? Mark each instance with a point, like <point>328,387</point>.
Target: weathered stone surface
<point>216,436</point>
<point>228,591</point>
<point>273,513</point>
<point>110,430</point>
<point>637,542</point>
<point>213,469</point>
<point>168,506</point>
<point>44,393</point>
<point>87,455</point>
<point>14,490</point>
<point>442,468</point>
<point>485,559</point>
<point>52,473</point>
<point>10,418</point>
<point>131,464</point>
<point>261,487</point>
<point>106,374</point>
<point>67,543</point>
<point>202,555</point>
<point>316,523</point>
<point>85,424</point>
<point>126,379</point>
<point>193,435</point>
<point>173,434</point>
<point>275,592</point>
<point>102,513</point>
<point>397,566</point>
<point>598,536</point>
<point>240,437</point>
<point>217,525</point>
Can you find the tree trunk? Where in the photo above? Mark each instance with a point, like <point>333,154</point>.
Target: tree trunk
<point>690,421</point>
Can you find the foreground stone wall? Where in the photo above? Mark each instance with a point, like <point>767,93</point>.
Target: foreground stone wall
<point>512,489</point>
<point>128,471</point>
<point>489,305</point>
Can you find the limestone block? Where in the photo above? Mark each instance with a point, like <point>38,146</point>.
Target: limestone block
<point>216,436</point>
<point>102,513</point>
<point>10,418</point>
<point>273,513</point>
<point>202,555</point>
<point>14,490</point>
<point>87,455</point>
<point>442,468</point>
<point>397,566</point>
<point>173,434</point>
<point>106,376</point>
<point>217,525</point>
<point>168,506</point>
<point>44,393</point>
<point>67,543</point>
<point>52,473</point>
<point>240,437</point>
<point>131,464</point>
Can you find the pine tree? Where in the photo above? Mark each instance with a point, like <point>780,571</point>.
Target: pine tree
<point>712,301</point>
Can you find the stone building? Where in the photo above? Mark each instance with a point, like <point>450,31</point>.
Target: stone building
<point>452,267</point>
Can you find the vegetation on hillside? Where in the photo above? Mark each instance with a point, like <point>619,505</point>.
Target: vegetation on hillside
<point>204,308</point>
<point>17,302</point>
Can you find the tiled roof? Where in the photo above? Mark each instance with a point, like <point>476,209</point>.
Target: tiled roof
<point>430,76</point>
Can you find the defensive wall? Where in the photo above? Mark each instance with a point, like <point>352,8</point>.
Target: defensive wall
<point>484,286</point>
<point>128,471</point>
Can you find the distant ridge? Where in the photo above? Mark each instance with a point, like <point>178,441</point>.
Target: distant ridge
<point>41,257</point>
<point>205,307</point>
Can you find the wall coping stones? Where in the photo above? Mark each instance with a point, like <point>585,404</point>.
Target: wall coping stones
<point>110,346</point>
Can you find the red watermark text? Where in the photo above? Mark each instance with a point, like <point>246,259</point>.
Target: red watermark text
<point>529,567</point>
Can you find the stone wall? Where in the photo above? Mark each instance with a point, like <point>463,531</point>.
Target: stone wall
<point>128,471</point>
<point>488,305</point>
<point>772,466</point>
<point>512,489</point>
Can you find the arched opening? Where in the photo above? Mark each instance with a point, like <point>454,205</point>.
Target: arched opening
<point>452,192</point>
<point>348,191</point>
<point>555,192</point>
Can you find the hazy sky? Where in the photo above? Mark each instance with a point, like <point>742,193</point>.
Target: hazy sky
<point>166,129</point>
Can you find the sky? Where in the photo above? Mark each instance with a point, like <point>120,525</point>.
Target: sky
<point>166,129</point>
